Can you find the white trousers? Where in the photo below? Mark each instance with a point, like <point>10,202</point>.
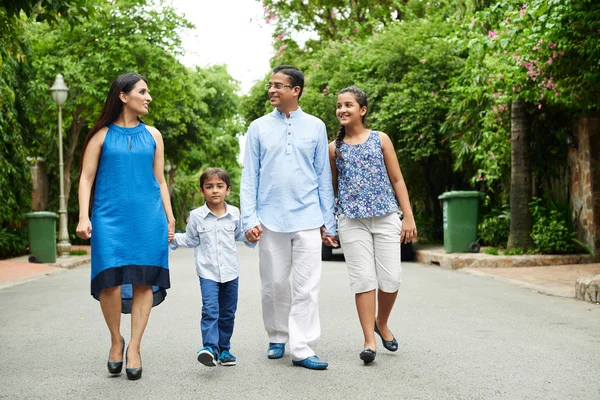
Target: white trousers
<point>291,312</point>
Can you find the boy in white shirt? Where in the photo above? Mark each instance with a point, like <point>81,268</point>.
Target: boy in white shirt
<point>212,231</point>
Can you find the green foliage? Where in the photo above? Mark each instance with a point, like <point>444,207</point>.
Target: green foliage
<point>514,252</point>
<point>80,252</point>
<point>551,231</point>
<point>495,226</point>
<point>12,243</point>
<point>15,186</point>
<point>491,251</point>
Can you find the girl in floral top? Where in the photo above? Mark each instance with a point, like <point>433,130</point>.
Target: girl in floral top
<point>369,186</point>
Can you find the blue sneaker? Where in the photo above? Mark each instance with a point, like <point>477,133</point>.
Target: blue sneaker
<point>207,357</point>
<point>276,350</point>
<point>311,363</point>
<point>227,359</point>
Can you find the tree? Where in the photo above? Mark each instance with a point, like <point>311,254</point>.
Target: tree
<point>520,183</point>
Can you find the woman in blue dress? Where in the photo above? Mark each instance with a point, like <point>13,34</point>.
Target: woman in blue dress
<point>131,217</point>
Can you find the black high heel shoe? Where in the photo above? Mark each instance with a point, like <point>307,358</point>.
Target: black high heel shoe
<point>133,374</point>
<point>391,345</point>
<point>115,367</point>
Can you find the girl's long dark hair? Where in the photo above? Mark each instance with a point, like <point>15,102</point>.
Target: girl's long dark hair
<point>113,106</point>
<point>362,100</point>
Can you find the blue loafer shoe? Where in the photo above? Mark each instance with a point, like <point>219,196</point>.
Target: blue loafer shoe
<point>276,350</point>
<point>368,355</point>
<point>391,345</point>
<point>311,363</point>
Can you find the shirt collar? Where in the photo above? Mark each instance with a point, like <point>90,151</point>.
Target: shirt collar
<point>294,114</point>
<point>204,211</point>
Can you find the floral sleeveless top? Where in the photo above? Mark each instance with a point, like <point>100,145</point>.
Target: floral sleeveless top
<point>364,187</point>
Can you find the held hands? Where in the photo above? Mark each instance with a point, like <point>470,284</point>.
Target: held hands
<point>171,228</point>
<point>253,235</point>
<point>328,240</point>
<point>84,228</point>
<point>409,229</point>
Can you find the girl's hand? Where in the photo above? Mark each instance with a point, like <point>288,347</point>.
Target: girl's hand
<point>409,229</point>
<point>171,229</point>
<point>84,228</point>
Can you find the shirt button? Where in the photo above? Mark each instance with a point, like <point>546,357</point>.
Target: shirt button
<point>289,133</point>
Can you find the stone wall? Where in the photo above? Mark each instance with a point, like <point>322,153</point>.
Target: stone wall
<point>584,173</point>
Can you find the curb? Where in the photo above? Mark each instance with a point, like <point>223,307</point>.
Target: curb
<point>435,255</point>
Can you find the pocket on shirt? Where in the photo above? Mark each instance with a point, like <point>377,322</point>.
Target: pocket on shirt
<point>307,144</point>
<point>229,227</point>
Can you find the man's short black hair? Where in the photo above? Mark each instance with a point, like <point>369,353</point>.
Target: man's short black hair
<point>296,76</point>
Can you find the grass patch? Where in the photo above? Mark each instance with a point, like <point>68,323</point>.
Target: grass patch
<point>491,251</point>
<point>80,252</point>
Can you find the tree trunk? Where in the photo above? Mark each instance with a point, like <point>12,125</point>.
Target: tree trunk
<point>520,182</point>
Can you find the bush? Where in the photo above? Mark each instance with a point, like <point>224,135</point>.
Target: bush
<point>12,243</point>
<point>552,231</point>
<point>551,235</point>
<point>494,228</point>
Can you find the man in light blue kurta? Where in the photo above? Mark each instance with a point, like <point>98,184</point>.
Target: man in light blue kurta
<point>287,196</point>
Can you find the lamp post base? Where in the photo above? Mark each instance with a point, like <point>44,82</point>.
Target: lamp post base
<point>63,249</point>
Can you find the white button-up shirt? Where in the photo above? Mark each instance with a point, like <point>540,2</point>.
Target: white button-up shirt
<point>213,239</point>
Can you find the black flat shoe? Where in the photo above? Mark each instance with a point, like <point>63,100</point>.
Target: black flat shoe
<point>115,367</point>
<point>368,355</point>
<point>133,374</point>
<point>391,345</point>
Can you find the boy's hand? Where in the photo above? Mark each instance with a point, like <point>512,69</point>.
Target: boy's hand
<point>253,235</point>
<point>328,240</point>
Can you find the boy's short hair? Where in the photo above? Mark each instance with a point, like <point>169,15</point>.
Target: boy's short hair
<point>212,172</point>
<point>296,76</point>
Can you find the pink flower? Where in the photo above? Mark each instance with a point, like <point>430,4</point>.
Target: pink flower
<point>279,37</point>
<point>528,64</point>
<point>549,61</point>
<point>250,20</point>
<point>492,155</point>
<point>562,53</point>
<point>420,137</point>
<point>472,21</point>
<point>505,51</point>
<point>423,61</point>
<point>355,30</point>
<point>539,106</point>
<point>493,34</point>
<point>479,177</point>
<point>524,6</point>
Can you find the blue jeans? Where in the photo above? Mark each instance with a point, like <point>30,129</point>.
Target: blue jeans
<point>219,303</point>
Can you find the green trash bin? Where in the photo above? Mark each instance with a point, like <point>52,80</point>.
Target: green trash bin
<point>460,220</point>
<point>41,227</point>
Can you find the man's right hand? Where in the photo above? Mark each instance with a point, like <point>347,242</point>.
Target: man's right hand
<point>253,235</point>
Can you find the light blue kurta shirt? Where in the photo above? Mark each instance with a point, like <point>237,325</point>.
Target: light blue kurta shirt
<point>213,239</point>
<point>286,180</point>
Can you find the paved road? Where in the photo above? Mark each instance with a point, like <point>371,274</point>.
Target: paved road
<point>461,337</point>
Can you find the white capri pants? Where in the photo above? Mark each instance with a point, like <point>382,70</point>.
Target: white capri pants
<point>372,252</point>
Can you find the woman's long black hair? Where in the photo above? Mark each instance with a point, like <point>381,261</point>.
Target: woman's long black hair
<point>113,106</point>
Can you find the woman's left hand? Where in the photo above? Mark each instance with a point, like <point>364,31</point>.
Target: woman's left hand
<point>171,230</point>
<point>409,229</point>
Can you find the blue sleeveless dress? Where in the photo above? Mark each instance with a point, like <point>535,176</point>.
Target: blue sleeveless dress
<point>129,224</point>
